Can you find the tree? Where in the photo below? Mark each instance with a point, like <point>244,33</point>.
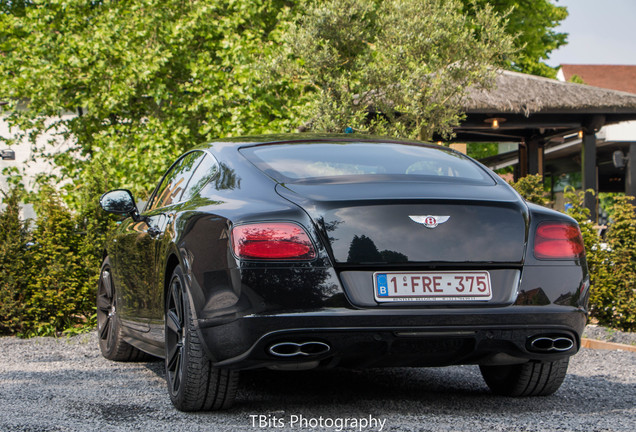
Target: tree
<point>60,292</point>
<point>410,61</point>
<point>148,78</point>
<point>532,22</point>
<point>14,237</point>
<point>151,78</point>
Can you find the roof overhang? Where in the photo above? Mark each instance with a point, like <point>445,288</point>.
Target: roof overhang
<point>528,106</point>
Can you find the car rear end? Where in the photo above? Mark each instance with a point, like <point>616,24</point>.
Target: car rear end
<point>401,255</point>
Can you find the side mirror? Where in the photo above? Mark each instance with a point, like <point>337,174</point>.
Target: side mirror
<point>120,201</point>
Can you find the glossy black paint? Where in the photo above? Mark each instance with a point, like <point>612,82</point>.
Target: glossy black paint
<point>242,307</point>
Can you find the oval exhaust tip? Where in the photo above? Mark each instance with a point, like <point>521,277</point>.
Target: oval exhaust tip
<point>314,348</point>
<point>284,349</point>
<point>291,349</point>
<point>551,344</point>
<point>542,343</point>
<point>563,344</point>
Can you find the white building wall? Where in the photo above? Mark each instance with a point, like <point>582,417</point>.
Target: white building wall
<point>624,131</point>
<point>30,164</point>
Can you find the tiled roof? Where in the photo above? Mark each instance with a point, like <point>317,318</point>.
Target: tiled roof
<point>615,77</point>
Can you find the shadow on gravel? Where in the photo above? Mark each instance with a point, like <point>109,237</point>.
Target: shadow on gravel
<point>111,413</point>
<point>157,367</point>
<point>398,390</point>
<point>403,390</point>
<point>121,395</point>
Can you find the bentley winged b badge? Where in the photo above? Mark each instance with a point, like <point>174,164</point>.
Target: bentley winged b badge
<point>429,221</point>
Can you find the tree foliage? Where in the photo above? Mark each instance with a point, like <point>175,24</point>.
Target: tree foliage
<point>47,274</point>
<point>150,78</point>
<point>531,189</point>
<point>411,61</point>
<point>612,265</point>
<point>13,280</point>
<point>616,299</point>
<point>130,84</point>
<point>533,24</point>
<point>58,288</point>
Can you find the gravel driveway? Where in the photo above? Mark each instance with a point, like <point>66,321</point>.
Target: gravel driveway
<point>49,384</point>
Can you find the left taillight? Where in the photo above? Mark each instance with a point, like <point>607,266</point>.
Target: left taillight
<point>272,241</point>
<point>558,240</point>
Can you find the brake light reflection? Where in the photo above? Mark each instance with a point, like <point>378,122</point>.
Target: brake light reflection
<point>272,241</point>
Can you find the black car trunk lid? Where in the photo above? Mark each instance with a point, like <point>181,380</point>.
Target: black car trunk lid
<point>379,224</point>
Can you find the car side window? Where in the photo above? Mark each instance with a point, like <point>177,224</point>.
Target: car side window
<point>207,169</point>
<point>175,181</point>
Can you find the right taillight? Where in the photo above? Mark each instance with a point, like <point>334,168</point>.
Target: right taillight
<point>558,240</point>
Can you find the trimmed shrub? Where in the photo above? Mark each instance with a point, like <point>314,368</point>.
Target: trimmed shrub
<point>14,237</point>
<point>58,294</point>
<point>530,188</point>
<point>613,268</point>
<point>594,253</point>
<point>615,301</point>
<point>48,276</point>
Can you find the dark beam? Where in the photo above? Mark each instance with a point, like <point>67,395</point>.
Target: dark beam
<point>535,155</point>
<point>499,158</point>
<point>466,134</point>
<point>588,172</point>
<point>480,136</point>
<point>527,124</point>
<point>630,171</point>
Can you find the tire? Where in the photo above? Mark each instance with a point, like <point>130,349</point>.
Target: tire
<point>109,332</point>
<point>527,379</point>
<point>194,384</point>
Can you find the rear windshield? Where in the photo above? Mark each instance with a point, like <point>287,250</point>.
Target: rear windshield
<point>337,162</point>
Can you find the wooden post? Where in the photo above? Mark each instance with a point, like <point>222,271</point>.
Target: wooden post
<point>535,156</point>
<point>523,159</point>
<point>588,172</point>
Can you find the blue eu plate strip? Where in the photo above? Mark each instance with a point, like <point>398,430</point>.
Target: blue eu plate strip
<point>382,284</point>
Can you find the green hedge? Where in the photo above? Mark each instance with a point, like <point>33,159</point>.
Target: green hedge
<point>613,297</point>
<point>530,188</point>
<point>13,262</point>
<point>48,274</point>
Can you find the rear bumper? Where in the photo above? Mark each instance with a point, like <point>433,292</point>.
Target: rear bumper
<point>379,338</point>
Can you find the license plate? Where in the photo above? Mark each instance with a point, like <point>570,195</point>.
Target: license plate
<point>432,286</point>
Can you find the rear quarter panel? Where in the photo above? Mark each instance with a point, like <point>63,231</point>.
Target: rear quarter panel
<point>552,283</point>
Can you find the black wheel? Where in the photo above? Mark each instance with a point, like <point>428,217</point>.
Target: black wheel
<point>193,383</point>
<point>111,342</point>
<point>527,379</point>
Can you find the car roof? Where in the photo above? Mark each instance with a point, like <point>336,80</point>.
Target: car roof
<point>306,138</point>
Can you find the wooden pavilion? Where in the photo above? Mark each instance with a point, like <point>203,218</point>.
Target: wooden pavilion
<point>555,125</point>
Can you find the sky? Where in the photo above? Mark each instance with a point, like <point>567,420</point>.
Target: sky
<point>600,32</point>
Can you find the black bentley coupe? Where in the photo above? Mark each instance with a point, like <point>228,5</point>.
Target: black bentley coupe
<point>307,251</point>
